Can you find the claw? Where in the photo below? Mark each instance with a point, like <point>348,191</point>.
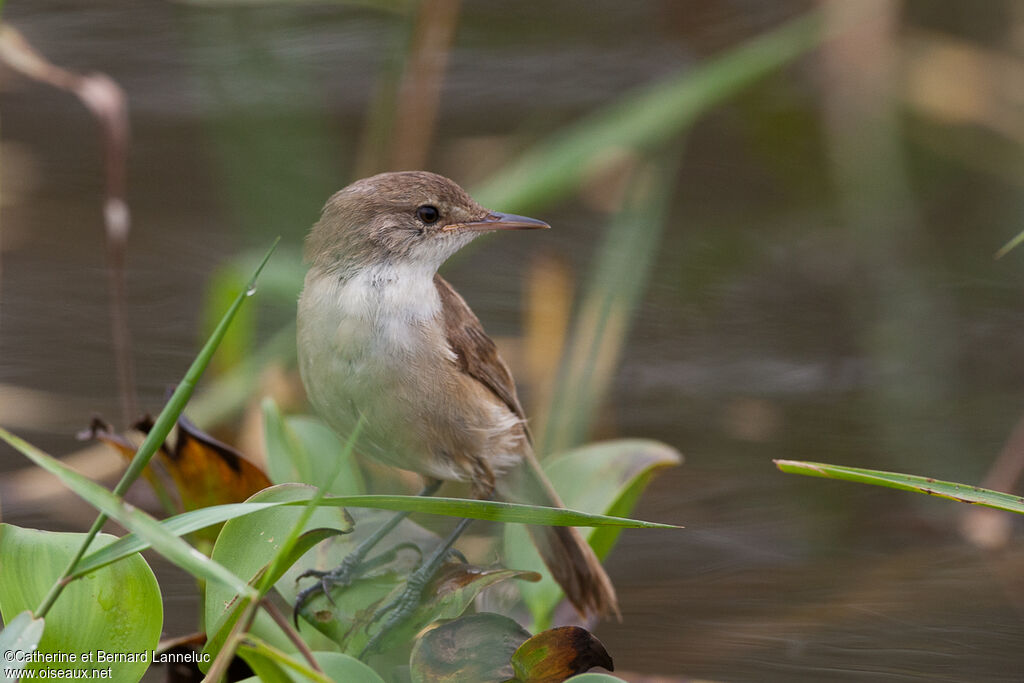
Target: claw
<point>457,554</point>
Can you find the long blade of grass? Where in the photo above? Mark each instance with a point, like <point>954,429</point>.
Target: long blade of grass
<point>644,118</point>
<point>963,493</point>
<point>138,522</point>
<point>615,288</point>
<point>162,427</point>
<point>452,507</point>
<point>1011,245</point>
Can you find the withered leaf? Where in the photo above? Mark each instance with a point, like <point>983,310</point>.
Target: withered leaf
<point>207,471</point>
<point>557,654</point>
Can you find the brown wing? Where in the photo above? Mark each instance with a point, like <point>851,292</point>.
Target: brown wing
<point>477,355</point>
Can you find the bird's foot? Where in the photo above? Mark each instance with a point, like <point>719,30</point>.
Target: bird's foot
<point>398,609</point>
<point>351,568</point>
<point>402,606</point>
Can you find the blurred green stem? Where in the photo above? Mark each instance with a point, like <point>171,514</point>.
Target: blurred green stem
<point>616,285</point>
<point>158,434</point>
<point>905,340</point>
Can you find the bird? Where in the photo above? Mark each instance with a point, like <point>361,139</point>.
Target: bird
<point>385,342</point>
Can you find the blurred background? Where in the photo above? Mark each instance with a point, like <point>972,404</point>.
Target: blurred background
<point>774,235</point>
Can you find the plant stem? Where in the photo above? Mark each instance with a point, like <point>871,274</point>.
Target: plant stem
<point>161,428</point>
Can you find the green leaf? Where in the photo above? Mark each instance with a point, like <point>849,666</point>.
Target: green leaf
<point>385,570</point>
<point>609,303</point>
<point>117,609</point>
<point>247,545</point>
<point>1011,245</point>
<point>477,647</point>
<point>338,667</point>
<point>643,118</point>
<point>595,678</point>
<point>21,634</point>
<point>963,493</point>
<point>167,544</point>
<point>303,449</point>
<point>154,440</point>
<point>266,669</point>
<point>493,511</point>
<point>183,392</point>
<point>447,596</point>
<point>341,667</point>
<point>225,283</point>
<point>188,522</point>
<point>179,525</point>
<point>606,477</point>
<point>271,664</point>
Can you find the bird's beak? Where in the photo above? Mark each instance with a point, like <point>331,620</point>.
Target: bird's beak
<point>499,221</point>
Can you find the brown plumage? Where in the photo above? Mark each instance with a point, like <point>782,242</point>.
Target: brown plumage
<point>571,560</point>
<point>382,336</point>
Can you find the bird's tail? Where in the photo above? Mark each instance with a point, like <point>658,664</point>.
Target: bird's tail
<point>569,558</point>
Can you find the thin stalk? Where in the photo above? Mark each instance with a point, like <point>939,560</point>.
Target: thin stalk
<point>158,434</point>
<point>292,634</point>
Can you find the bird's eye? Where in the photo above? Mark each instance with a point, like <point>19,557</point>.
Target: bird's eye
<point>428,214</point>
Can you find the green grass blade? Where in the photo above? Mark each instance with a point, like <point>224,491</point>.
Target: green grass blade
<point>138,522</point>
<point>963,493</point>
<point>21,634</point>
<point>614,291</point>
<point>454,507</point>
<point>169,415</point>
<point>179,525</point>
<point>265,658</point>
<point>162,427</point>
<point>493,511</point>
<point>643,118</point>
<point>1011,245</point>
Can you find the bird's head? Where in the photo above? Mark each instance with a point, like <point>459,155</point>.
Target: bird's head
<point>411,217</point>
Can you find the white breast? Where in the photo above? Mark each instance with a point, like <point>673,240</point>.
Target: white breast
<point>364,346</point>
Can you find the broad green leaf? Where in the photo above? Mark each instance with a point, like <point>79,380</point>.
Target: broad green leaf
<point>477,647</point>
<point>341,667</point>
<point>963,493</point>
<point>286,459</point>
<point>554,655</point>
<point>275,666</point>
<point>20,635</point>
<point>386,568</point>
<point>246,546</point>
<point>338,667</point>
<point>116,610</point>
<point>447,596</point>
<point>167,544</point>
<point>328,455</point>
<point>606,477</point>
<point>595,678</point>
<point>265,668</point>
<point>303,449</point>
<point>348,620</point>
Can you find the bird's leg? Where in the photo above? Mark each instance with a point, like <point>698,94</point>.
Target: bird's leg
<point>407,601</point>
<point>353,564</point>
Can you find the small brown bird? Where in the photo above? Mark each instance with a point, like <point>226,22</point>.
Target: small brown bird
<point>383,337</point>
